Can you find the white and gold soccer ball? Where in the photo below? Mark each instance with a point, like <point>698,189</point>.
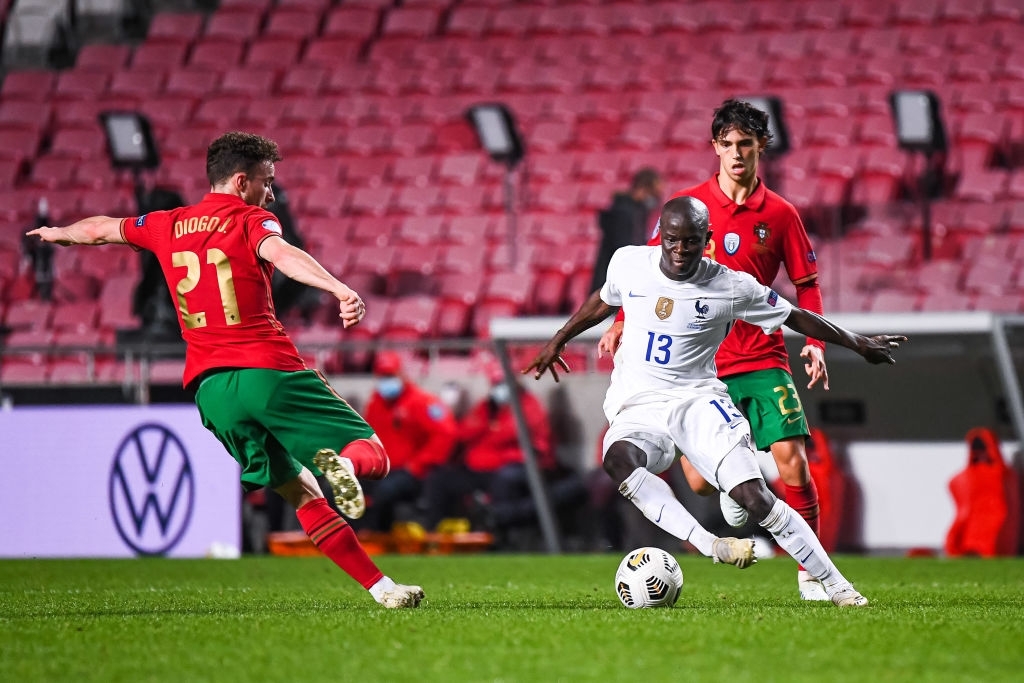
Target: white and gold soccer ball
<point>648,577</point>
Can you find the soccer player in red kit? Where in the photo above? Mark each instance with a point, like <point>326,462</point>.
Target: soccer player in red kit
<point>756,231</point>
<point>281,421</point>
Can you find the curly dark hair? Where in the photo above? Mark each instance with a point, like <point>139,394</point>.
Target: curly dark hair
<point>237,152</point>
<point>741,116</point>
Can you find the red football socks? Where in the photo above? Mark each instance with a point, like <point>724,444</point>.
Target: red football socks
<point>804,499</point>
<point>369,458</point>
<point>336,539</point>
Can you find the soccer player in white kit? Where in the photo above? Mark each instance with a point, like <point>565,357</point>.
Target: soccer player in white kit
<point>665,395</point>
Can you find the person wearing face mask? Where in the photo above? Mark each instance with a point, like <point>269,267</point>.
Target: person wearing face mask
<point>625,221</point>
<point>491,465</point>
<point>416,427</point>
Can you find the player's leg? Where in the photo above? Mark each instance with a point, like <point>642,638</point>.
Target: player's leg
<point>232,405</point>
<point>734,514</point>
<point>790,530</point>
<point>336,539</point>
<point>770,400</point>
<point>326,435</point>
<point>633,461</point>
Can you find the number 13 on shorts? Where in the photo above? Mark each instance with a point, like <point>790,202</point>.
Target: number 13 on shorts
<point>728,411</point>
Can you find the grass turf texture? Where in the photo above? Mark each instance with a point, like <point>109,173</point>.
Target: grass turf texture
<point>502,617</point>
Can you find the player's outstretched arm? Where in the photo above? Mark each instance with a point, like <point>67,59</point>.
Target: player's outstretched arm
<point>593,311</point>
<point>301,267</point>
<point>91,231</point>
<point>877,349</point>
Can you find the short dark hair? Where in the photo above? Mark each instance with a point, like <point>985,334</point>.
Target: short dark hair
<point>741,116</point>
<point>646,178</point>
<point>692,209</point>
<point>237,152</point>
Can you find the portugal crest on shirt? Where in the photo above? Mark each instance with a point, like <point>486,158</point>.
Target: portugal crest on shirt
<point>762,232</point>
<point>663,309</point>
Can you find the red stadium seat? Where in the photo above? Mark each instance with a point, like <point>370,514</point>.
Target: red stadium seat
<point>77,85</point>
<point>104,57</point>
<point>272,53</point>
<point>30,84</point>
<point>412,317</point>
<point>351,22</point>
<point>216,54</point>
<point>183,27</point>
<point>292,23</point>
<point>331,52</point>
<point>232,27</point>
<point>161,56</point>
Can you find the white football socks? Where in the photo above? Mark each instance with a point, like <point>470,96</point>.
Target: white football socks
<point>794,536</point>
<point>383,585</point>
<point>655,499</point>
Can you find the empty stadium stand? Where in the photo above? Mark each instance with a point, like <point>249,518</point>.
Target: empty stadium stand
<point>390,189</point>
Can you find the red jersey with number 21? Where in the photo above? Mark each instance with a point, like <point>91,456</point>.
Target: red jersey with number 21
<point>220,285</point>
<point>755,237</point>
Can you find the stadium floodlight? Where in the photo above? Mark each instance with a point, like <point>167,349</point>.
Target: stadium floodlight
<point>919,128</point>
<point>918,121</point>
<point>497,132</point>
<point>130,142</point>
<point>496,129</point>
<point>776,122</point>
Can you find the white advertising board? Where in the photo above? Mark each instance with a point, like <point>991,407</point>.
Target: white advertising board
<point>82,481</point>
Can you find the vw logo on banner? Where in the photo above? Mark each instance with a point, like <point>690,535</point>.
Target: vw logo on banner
<point>152,489</point>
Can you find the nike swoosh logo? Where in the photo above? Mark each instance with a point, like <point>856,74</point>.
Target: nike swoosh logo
<point>659,514</point>
<point>735,425</point>
<point>792,420</point>
<point>634,296</point>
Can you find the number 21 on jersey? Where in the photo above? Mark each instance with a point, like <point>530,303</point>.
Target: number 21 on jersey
<point>225,285</point>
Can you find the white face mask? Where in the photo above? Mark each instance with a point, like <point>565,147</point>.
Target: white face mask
<point>389,387</point>
<point>500,393</point>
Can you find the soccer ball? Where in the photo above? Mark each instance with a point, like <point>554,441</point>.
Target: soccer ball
<point>648,577</point>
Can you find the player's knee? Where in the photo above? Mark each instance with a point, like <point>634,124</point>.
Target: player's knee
<point>622,459</point>
<point>790,457</point>
<point>369,458</point>
<point>755,497</point>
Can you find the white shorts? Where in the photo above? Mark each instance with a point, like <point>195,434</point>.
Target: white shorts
<point>704,426</point>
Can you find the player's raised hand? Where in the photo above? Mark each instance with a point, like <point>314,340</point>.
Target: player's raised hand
<point>879,349</point>
<point>545,361</point>
<point>609,342</point>
<point>351,308</point>
<point>815,366</point>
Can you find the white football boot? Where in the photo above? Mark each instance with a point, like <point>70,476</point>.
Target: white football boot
<point>348,494</point>
<point>734,551</point>
<point>401,596</point>
<point>845,595</point>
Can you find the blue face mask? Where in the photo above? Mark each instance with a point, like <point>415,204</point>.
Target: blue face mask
<point>500,393</point>
<point>389,387</point>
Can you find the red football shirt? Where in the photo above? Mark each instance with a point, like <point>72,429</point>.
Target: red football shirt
<point>755,237</point>
<point>221,287</point>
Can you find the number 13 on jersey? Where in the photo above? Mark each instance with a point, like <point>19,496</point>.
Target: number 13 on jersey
<point>659,348</point>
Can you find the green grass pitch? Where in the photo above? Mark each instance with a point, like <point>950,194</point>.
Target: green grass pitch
<point>503,618</point>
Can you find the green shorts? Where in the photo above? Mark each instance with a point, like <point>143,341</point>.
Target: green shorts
<point>771,403</point>
<point>273,422</point>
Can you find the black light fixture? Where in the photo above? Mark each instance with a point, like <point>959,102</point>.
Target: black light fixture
<point>130,142</point>
<point>776,122</point>
<point>918,121</point>
<point>917,118</point>
<point>497,132</point>
<point>498,135</point>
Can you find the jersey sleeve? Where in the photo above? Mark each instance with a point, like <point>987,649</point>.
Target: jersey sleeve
<point>259,225</point>
<point>146,231</point>
<point>759,305</point>
<point>610,292</point>
<point>797,252</point>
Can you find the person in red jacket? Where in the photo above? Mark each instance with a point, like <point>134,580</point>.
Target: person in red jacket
<point>492,464</point>
<point>419,432</point>
<point>756,231</point>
